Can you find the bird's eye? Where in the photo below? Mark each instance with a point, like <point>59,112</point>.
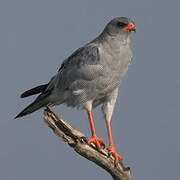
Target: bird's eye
<point>121,24</point>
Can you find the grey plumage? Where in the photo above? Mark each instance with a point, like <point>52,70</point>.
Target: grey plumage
<point>91,75</point>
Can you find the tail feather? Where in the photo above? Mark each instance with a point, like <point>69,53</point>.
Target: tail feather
<point>33,91</point>
<point>41,101</point>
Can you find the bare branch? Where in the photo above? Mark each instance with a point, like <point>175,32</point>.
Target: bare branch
<point>78,141</point>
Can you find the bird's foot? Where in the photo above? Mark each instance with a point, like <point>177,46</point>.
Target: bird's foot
<point>112,151</point>
<point>97,141</point>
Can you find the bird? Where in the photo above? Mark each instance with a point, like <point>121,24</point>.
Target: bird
<point>89,77</point>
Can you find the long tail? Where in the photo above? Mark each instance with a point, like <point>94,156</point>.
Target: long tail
<point>33,91</point>
<point>37,104</point>
<point>41,101</point>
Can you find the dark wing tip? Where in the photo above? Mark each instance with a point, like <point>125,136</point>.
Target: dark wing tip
<point>23,95</point>
<point>21,114</point>
<point>18,116</point>
<point>33,91</point>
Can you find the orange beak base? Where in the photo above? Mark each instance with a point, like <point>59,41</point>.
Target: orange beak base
<point>129,27</point>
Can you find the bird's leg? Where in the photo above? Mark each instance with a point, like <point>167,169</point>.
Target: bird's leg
<point>111,147</point>
<point>94,139</point>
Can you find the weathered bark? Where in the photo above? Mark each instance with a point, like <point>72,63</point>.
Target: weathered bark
<point>78,141</point>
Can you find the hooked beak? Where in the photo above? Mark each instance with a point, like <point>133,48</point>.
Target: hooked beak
<point>133,29</point>
<point>130,27</point>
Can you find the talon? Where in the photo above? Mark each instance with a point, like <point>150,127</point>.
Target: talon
<point>112,151</point>
<point>83,139</point>
<point>103,146</point>
<point>109,152</point>
<point>97,141</point>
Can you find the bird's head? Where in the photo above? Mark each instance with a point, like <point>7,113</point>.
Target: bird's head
<point>120,25</point>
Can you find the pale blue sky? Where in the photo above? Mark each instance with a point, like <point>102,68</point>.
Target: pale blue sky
<point>35,37</point>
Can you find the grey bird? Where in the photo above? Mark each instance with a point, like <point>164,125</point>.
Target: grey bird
<point>90,77</point>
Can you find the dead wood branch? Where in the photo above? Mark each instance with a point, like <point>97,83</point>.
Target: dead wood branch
<point>78,141</point>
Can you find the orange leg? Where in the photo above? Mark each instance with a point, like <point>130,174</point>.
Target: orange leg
<point>111,147</point>
<point>94,139</point>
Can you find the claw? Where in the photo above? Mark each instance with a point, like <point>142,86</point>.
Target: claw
<point>83,139</point>
<point>97,141</point>
<point>112,151</point>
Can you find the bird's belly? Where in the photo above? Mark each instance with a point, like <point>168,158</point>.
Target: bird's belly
<point>97,89</point>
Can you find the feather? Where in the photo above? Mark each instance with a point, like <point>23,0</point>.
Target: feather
<point>41,101</point>
<point>35,90</point>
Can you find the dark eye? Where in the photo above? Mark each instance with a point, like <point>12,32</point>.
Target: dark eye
<point>121,24</point>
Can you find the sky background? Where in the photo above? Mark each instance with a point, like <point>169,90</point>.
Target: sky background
<point>37,35</point>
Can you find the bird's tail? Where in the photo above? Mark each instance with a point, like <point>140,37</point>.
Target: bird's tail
<point>41,101</point>
<point>35,90</point>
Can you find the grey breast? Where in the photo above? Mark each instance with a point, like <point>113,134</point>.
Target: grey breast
<point>90,73</point>
<point>116,61</point>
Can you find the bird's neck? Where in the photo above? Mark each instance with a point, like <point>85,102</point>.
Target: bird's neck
<point>115,42</point>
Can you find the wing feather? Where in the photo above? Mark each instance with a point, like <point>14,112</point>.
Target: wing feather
<point>82,65</point>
